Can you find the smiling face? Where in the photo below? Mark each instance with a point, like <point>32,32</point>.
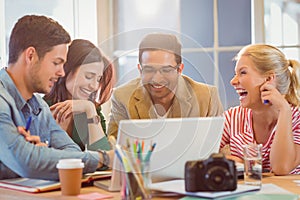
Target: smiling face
<point>247,82</point>
<point>85,80</point>
<point>46,71</point>
<point>159,72</point>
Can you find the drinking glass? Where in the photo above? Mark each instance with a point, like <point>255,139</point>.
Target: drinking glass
<point>253,164</point>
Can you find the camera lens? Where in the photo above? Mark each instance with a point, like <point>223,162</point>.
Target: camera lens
<point>216,178</point>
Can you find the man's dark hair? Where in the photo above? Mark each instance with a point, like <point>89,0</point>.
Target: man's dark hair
<point>161,41</point>
<point>40,32</point>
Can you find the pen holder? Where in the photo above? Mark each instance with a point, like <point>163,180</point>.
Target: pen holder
<point>135,185</point>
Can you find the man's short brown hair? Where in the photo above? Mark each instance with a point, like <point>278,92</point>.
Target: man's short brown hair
<point>40,32</point>
<point>161,41</point>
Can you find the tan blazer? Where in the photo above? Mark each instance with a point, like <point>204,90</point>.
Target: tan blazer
<point>192,99</point>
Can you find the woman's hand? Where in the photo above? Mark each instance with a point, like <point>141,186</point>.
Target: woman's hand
<point>270,93</point>
<point>235,158</point>
<point>63,110</point>
<point>283,142</point>
<point>31,138</point>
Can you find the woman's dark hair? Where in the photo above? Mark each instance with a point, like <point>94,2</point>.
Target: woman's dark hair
<point>84,52</point>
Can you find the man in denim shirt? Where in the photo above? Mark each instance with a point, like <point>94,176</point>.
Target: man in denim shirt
<point>37,51</point>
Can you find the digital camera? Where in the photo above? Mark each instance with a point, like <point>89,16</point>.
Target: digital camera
<point>213,174</point>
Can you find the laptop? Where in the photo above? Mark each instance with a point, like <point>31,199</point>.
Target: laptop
<point>177,140</point>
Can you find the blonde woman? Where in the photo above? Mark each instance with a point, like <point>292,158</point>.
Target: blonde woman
<point>268,87</point>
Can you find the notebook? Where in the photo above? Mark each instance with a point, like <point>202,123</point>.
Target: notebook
<point>177,140</point>
<point>39,185</point>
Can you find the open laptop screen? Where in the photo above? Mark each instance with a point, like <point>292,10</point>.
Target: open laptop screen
<point>177,140</point>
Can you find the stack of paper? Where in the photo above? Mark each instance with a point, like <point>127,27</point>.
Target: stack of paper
<point>243,192</point>
<point>177,186</point>
<point>38,185</point>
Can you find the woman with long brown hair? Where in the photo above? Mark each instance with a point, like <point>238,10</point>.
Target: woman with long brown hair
<point>75,100</point>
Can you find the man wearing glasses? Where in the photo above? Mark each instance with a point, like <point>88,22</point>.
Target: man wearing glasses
<point>162,91</point>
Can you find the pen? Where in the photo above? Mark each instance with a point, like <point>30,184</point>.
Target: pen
<point>139,152</point>
<point>147,158</point>
<point>28,123</point>
<point>153,146</point>
<point>266,101</point>
<point>134,150</point>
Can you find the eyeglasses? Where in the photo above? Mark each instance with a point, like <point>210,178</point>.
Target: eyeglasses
<point>165,70</point>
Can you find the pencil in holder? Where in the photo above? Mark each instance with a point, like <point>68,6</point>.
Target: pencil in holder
<point>136,171</point>
<point>135,185</point>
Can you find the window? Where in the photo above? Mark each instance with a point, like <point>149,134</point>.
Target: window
<point>219,32</point>
<point>211,31</point>
<point>134,19</point>
<point>79,18</point>
<point>282,26</point>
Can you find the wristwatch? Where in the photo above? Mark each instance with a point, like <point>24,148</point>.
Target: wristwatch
<point>105,156</point>
<point>94,120</point>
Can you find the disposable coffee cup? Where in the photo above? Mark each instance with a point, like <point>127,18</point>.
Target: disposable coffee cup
<point>70,174</point>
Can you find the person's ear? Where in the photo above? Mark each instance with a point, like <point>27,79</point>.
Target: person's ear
<point>180,68</point>
<point>270,78</point>
<point>30,52</point>
<point>139,68</point>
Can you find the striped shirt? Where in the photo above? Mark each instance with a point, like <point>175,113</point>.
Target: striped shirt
<point>238,131</point>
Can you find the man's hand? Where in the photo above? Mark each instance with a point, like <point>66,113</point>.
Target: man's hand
<point>31,138</point>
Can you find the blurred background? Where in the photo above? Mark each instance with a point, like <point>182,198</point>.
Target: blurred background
<point>211,31</point>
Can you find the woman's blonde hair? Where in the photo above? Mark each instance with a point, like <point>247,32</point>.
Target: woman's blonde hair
<point>269,59</point>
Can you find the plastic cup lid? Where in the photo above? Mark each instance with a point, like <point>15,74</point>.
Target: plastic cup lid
<point>69,164</point>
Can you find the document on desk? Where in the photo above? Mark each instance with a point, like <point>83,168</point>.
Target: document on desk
<point>267,192</point>
<point>38,185</point>
<point>252,197</point>
<point>177,186</point>
<point>29,185</point>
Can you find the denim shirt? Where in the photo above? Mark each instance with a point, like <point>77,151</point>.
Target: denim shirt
<point>19,157</point>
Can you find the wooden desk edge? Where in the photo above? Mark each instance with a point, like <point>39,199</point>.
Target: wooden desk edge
<point>285,182</point>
